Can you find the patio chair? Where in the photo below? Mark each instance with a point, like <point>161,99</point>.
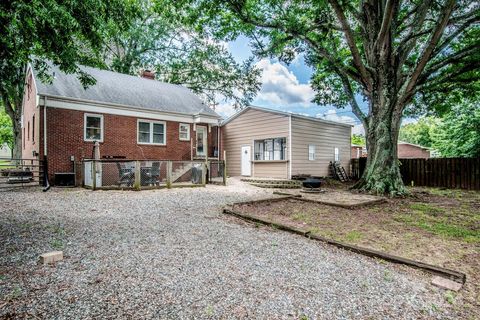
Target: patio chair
<point>126,175</point>
<point>152,176</point>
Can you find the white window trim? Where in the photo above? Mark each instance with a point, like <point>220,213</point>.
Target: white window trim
<point>336,154</point>
<point>180,131</point>
<point>151,132</point>
<point>314,152</point>
<point>93,115</point>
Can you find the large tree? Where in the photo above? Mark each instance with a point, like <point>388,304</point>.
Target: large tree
<point>394,54</point>
<point>157,40</point>
<point>67,33</point>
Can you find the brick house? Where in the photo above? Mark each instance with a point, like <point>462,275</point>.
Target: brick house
<point>405,150</point>
<point>131,117</point>
<point>409,150</point>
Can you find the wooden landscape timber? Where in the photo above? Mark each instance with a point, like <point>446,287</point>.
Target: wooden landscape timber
<point>332,203</point>
<point>436,270</point>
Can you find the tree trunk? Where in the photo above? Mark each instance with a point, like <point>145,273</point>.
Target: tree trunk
<point>17,135</point>
<point>382,172</point>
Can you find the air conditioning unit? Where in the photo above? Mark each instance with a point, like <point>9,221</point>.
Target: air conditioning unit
<point>65,179</point>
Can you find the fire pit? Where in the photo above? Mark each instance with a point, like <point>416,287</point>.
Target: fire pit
<point>312,185</point>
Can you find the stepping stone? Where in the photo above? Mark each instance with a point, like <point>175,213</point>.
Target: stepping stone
<point>447,284</point>
<point>51,257</point>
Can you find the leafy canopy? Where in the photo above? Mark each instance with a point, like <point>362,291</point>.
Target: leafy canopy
<point>6,133</point>
<point>67,33</point>
<point>358,139</point>
<point>411,52</point>
<point>158,40</point>
<point>455,134</point>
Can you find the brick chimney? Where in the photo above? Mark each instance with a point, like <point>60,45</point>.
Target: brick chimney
<point>148,74</point>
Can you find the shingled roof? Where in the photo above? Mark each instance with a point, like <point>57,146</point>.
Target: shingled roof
<point>121,89</point>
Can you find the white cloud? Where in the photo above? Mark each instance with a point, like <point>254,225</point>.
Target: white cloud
<point>225,110</point>
<point>333,116</point>
<point>281,87</point>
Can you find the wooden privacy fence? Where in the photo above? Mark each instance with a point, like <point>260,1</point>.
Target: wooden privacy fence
<point>461,173</point>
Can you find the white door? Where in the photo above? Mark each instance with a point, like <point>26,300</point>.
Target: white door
<point>201,141</point>
<point>246,161</point>
<point>88,174</point>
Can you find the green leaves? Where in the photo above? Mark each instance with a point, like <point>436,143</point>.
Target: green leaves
<point>161,39</point>
<point>455,134</point>
<point>6,133</point>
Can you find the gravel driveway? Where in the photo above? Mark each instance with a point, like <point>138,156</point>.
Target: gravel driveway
<point>171,254</point>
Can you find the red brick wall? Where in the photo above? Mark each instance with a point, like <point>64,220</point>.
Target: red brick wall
<point>31,140</point>
<point>65,133</point>
<point>409,151</point>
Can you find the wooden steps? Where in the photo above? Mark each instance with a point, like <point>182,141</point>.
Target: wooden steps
<point>339,171</point>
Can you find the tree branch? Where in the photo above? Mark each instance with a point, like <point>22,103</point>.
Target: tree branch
<point>386,22</point>
<point>427,52</point>
<point>455,34</point>
<point>357,59</point>
<point>465,52</point>
<point>405,46</point>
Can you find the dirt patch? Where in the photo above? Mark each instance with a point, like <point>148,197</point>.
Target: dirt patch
<point>438,227</point>
<point>336,197</point>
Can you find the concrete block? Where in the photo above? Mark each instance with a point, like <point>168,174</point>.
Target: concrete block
<point>51,257</point>
<point>447,284</point>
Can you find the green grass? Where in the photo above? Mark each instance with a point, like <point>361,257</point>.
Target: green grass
<point>56,244</point>
<point>458,223</point>
<point>353,236</point>
<point>5,164</point>
<point>427,208</point>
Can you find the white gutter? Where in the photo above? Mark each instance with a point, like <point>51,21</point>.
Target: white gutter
<point>45,127</point>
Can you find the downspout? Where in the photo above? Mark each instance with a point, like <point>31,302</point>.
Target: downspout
<point>218,143</point>
<point>289,147</point>
<point>46,183</point>
<point>45,127</point>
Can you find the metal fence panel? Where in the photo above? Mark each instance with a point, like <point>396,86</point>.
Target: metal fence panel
<point>20,173</point>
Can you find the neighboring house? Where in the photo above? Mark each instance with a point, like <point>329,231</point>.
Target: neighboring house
<point>410,150</point>
<point>261,142</point>
<point>5,151</point>
<point>405,150</point>
<point>358,151</point>
<point>131,117</point>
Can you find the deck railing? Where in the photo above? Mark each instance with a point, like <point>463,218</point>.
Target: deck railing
<point>150,174</point>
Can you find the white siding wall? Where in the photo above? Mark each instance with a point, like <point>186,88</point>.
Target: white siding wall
<point>326,137</point>
<point>252,125</point>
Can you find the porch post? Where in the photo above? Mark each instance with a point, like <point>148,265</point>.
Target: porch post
<point>169,174</point>
<point>94,174</point>
<point>137,175</point>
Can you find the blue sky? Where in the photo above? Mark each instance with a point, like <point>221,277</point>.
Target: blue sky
<point>286,87</point>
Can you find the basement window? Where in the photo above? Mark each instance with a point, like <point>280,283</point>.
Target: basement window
<point>184,132</point>
<point>93,127</point>
<point>151,132</point>
<point>270,149</point>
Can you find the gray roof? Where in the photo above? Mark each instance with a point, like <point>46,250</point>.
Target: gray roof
<point>287,114</point>
<point>121,89</point>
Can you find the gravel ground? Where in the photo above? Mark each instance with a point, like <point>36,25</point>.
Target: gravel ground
<point>171,254</point>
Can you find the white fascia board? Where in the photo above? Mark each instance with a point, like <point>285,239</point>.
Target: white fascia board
<point>122,111</point>
<point>205,119</point>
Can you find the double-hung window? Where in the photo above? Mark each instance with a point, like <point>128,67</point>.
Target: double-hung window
<point>151,132</point>
<point>93,127</point>
<point>184,131</point>
<point>270,149</point>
